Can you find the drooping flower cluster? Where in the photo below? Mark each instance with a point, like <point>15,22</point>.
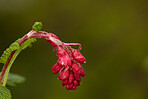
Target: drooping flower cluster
<point>69,62</point>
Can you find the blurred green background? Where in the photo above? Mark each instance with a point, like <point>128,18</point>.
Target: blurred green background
<point>113,34</point>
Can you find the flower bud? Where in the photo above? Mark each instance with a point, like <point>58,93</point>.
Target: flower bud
<point>60,75</point>
<point>82,73</point>
<point>78,83</point>
<point>77,76</point>
<point>78,56</point>
<point>56,68</point>
<point>67,87</point>
<point>75,67</point>
<point>64,58</point>
<point>65,74</point>
<point>62,62</point>
<point>69,63</point>
<point>75,83</point>
<point>71,78</point>
<point>64,82</point>
<point>71,86</point>
<point>74,87</point>
<point>61,52</point>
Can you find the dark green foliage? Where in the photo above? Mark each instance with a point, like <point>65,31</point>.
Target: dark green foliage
<point>14,79</point>
<point>28,43</point>
<point>14,46</point>
<point>4,93</point>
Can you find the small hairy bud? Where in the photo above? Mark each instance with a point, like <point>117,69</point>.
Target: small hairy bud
<point>62,62</point>
<point>75,67</point>
<point>75,83</point>
<point>67,87</point>
<point>64,82</point>
<point>65,74</point>
<point>74,87</point>
<point>82,73</point>
<point>71,78</point>
<point>61,52</point>
<point>60,75</point>
<point>77,76</point>
<point>37,26</point>
<point>71,86</point>
<point>78,56</point>
<point>56,68</point>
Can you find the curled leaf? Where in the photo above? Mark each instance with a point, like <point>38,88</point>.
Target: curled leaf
<point>37,26</point>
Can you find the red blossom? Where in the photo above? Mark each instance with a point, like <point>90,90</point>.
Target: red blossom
<point>82,73</point>
<point>75,67</point>
<point>77,76</point>
<point>71,78</point>
<point>56,68</point>
<point>78,56</point>
<point>64,82</point>
<point>65,74</point>
<point>64,58</point>
<point>67,87</point>
<point>74,87</point>
<point>75,82</point>
<point>69,62</point>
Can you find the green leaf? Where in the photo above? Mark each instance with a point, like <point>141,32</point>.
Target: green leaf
<point>37,26</point>
<point>14,79</point>
<point>14,46</point>
<point>28,43</point>
<point>4,93</point>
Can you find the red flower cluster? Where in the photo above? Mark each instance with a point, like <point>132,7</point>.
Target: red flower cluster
<point>69,63</point>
